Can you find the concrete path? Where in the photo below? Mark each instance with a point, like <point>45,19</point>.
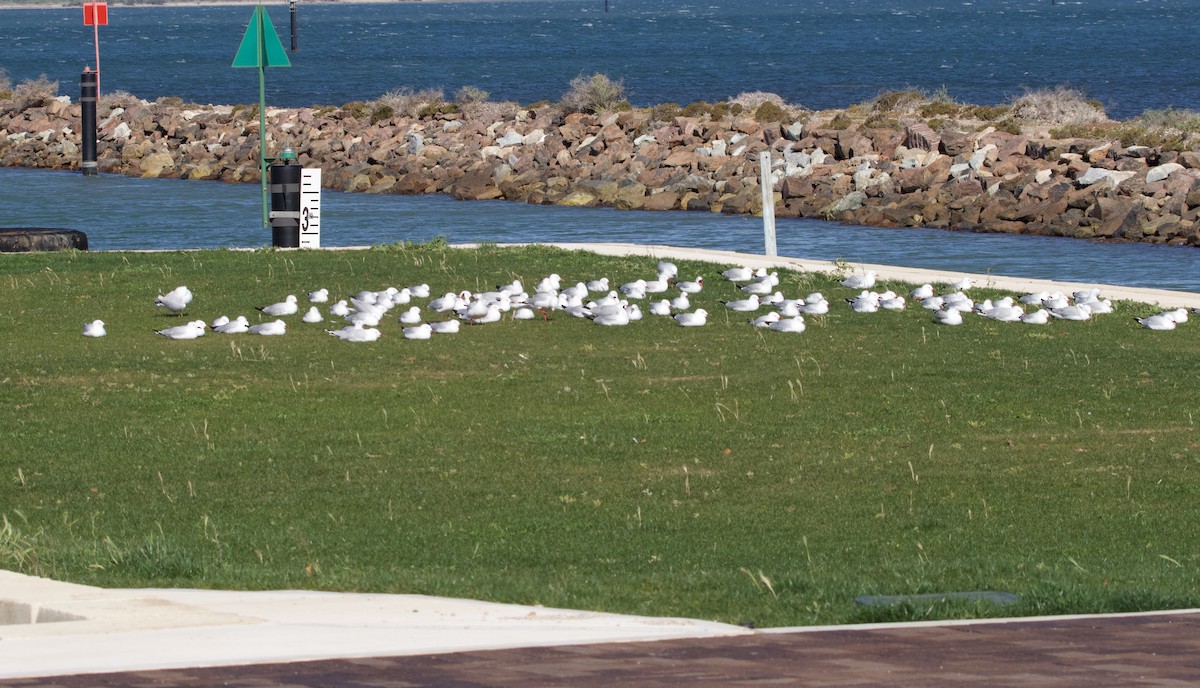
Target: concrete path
<point>90,637</point>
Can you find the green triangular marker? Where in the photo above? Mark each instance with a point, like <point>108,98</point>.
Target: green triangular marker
<point>261,46</point>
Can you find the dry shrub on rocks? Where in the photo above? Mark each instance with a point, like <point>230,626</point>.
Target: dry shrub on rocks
<point>405,102</point>
<point>905,102</point>
<point>752,100</point>
<point>468,95</point>
<point>5,82</point>
<point>488,111</point>
<point>594,94</point>
<point>32,93</point>
<point>1060,105</point>
<point>118,98</point>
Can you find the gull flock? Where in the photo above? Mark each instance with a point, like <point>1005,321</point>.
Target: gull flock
<point>665,295</point>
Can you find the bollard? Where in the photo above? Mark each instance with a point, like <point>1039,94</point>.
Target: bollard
<point>284,175</point>
<point>292,10</point>
<point>87,107</point>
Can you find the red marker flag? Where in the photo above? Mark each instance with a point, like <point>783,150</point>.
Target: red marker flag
<point>95,14</point>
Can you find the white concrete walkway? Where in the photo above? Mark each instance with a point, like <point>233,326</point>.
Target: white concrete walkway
<point>82,630</point>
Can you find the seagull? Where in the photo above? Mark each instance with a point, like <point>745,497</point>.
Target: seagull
<point>273,328</point>
<point>238,325</point>
<point>219,321</point>
<point>614,319</point>
<point>412,316</point>
<point>1034,298</point>
<point>958,301</point>
<point>738,274</point>
<point>815,304</point>
<point>743,305</point>
<point>512,288</point>
<point>424,331</point>
<point>659,285</point>
<point>286,307</point>
<point>312,316</point>
<point>681,302</point>
<point>420,291</point>
<point>598,285</point>
<point>790,308</point>
<point>1055,300</point>
<point>94,329</point>
<point>356,334</point>
<point>660,307</point>
<point>175,300</point>
<point>921,293</point>
<point>551,282</point>
<point>948,316</point>
<point>366,318</point>
<point>666,267</point>
<point>1039,317</point>
<point>1161,322</point>
<point>1179,315</point>
<point>895,303</point>
<point>191,330</point>
<point>866,302</point>
<point>340,309</point>
<point>764,320</point>
<point>962,284</point>
<point>318,296</point>
<point>634,290</point>
<point>788,325</point>
<point>864,281</point>
<point>444,327</point>
<point>692,287</point>
<point>523,313</point>
<point>696,318</point>
<point>761,288</point>
<point>1004,313</point>
<point>1078,312</point>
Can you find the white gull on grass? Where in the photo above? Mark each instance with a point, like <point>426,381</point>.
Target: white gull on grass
<point>288,306</point>
<point>175,300</point>
<point>94,329</point>
<point>191,330</point>
<point>697,318</point>
<point>273,328</point>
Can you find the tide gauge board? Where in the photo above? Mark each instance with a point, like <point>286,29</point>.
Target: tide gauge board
<point>310,207</point>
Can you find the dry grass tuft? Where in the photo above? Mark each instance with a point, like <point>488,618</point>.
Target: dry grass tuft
<point>1060,106</point>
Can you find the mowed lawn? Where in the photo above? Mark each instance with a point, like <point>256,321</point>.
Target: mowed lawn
<point>723,472</point>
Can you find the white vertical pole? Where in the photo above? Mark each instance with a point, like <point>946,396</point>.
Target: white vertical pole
<point>768,202</point>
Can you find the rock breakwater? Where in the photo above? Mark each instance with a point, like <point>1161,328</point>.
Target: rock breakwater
<point>906,176</point>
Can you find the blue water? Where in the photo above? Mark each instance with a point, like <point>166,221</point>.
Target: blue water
<point>130,213</point>
<point>1129,54</point>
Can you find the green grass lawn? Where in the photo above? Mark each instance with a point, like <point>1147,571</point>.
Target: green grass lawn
<point>721,472</point>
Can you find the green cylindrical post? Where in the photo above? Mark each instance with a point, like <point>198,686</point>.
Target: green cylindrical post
<point>262,141</point>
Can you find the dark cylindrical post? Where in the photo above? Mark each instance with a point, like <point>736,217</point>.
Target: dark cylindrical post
<point>292,9</point>
<point>87,106</point>
<point>285,200</point>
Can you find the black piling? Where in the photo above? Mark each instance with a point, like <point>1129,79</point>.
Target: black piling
<point>285,201</point>
<point>87,106</point>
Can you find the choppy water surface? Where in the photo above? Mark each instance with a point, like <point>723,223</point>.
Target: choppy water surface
<point>129,213</point>
<point>1131,55</point>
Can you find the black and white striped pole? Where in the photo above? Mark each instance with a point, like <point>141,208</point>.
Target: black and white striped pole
<point>87,108</point>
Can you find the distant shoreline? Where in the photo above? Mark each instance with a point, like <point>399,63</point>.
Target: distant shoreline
<point>213,3</point>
